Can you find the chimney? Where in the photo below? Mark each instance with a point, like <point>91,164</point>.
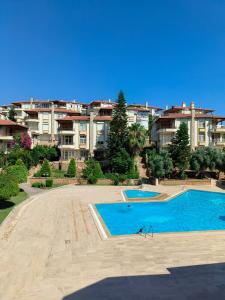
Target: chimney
<point>183,104</point>
<point>192,105</point>
<point>146,104</point>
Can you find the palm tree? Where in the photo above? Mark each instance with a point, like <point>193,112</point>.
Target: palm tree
<point>137,138</point>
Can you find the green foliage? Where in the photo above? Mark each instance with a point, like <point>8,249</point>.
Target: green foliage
<point>92,179</point>
<point>45,169</point>
<point>19,171</point>
<point>12,114</point>
<point>160,165</point>
<point>41,152</point>
<point>137,138</point>
<point>133,173</point>
<point>118,135</point>
<point>38,185</point>
<point>121,162</point>
<point>180,149</point>
<point>49,182</point>
<point>206,158</point>
<point>71,171</point>
<point>92,168</point>
<point>37,174</point>
<point>151,120</point>
<point>8,186</point>
<point>19,153</point>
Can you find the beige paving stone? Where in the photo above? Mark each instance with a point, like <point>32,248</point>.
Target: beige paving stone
<point>50,249</point>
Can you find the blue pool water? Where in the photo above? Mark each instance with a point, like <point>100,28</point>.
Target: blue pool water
<point>130,194</point>
<point>193,210</point>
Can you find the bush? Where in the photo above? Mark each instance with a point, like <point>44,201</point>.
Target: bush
<point>38,185</point>
<point>8,186</point>
<point>121,162</point>
<point>92,168</point>
<point>71,171</point>
<point>122,178</point>
<point>37,174</point>
<point>49,182</point>
<point>133,174</point>
<point>22,154</point>
<point>41,152</point>
<point>45,169</point>
<point>92,179</point>
<point>19,171</point>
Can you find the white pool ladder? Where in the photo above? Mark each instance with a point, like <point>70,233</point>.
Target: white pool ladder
<point>147,230</point>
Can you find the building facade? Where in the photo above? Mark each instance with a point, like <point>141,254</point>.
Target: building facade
<point>205,128</point>
<point>8,130</point>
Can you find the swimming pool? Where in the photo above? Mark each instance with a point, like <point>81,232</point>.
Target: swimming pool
<point>133,194</point>
<point>192,210</point>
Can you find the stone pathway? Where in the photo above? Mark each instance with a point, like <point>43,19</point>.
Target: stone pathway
<point>53,251</point>
<point>30,190</point>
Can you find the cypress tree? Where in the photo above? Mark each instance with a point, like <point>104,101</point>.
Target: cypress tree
<point>180,149</point>
<point>45,169</point>
<point>12,114</point>
<point>71,171</point>
<point>118,135</point>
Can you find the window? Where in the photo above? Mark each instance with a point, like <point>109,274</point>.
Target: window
<point>223,137</point>
<point>100,127</point>
<point>82,139</point>
<point>68,154</point>
<point>68,140</point>
<point>45,115</point>
<point>60,116</point>
<point>100,139</point>
<point>83,126</point>
<point>201,137</point>
<point>201,124</point>
<point>45,127</point>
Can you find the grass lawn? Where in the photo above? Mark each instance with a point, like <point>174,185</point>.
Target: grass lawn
<point>56,173</point>
<point>7,206</point>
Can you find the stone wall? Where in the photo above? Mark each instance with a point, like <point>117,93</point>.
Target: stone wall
<point>185,182</point>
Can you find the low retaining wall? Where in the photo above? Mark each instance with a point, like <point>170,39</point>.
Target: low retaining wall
<point>80,181</point>
<point>186,182</point>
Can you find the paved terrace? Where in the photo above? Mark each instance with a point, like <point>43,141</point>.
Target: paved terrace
<point>50,249</point>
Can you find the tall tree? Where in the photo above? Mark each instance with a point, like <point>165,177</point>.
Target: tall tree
<point>118,135</point>
<point>151,120</point>
<point>180,149</point>
<point>137,137</point>
<point>12,114</point>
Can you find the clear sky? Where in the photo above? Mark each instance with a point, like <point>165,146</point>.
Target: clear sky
<point>159,51</point>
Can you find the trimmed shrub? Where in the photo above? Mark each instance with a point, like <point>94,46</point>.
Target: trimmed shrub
<point>49,182</point>
<point>45,169</point>
<point>38,185</point>
<point>37,174</point>
<point>71,171</point>
<point>92,179</point>
<point>122,178</point>
<point>19,171</point>
<point>92,168</point>
<point>8,186</point>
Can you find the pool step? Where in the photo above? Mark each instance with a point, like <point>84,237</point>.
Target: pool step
<point>161,197</point>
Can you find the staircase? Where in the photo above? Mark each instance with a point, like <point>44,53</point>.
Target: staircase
<point>141,168</point>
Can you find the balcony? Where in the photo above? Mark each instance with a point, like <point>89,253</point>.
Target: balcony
<point>167,130</point>
<point>6,138</point>
<point>66,130</point>
<point>66,146</point>
<point>202,143</point>
<point>32,119</point>
<point>219,143</point>
<point>219,129</point>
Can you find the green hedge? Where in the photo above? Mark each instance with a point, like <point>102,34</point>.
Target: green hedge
<point>19,170</point>
<point>8,186</point>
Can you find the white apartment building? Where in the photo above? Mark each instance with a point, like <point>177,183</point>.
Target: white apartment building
<point>138,113</point>
<point>205,128</point>
<point>86,135</point>
<point>40,116</point>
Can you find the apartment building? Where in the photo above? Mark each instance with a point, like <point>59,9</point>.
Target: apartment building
<point>8,130</point>
<point>40,116</point>
<point>138,113</point>
<point>86,135</point>
<point>205,128</point>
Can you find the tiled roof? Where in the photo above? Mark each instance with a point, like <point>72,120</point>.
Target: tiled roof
<point>177,108</point>
<point>34,110</point>
<point>134,105</point>
<point>85,118</point>
<point>10,123</point>
<point>183,116</point>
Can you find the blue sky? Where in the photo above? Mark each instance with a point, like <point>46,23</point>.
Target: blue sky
<point>163,52</point>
